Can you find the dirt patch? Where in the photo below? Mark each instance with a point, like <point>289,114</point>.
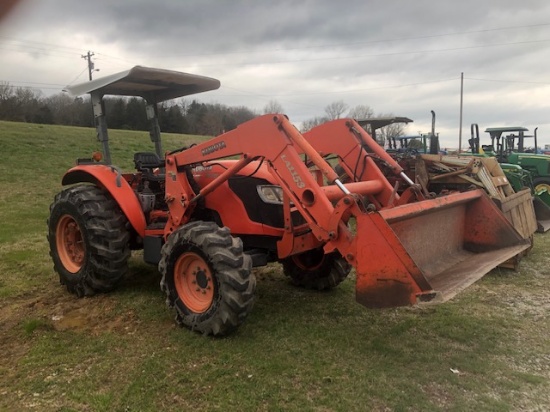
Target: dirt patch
<point>438,394</point>
<point>57,309</point>
<point>92,315</point>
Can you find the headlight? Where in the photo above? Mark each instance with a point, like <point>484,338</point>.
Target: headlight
<point>271,194</point>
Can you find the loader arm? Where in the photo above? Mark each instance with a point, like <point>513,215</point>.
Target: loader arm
<point>275,141</point>
<point>356,151</point>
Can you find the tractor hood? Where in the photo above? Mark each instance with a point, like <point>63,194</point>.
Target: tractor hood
<point>522,156</point>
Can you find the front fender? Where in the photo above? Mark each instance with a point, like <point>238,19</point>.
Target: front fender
<point>110,178</point>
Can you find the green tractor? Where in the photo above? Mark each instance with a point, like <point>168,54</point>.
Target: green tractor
<point>403,145</point>
<point>537,164</point>
<point>523,166</point>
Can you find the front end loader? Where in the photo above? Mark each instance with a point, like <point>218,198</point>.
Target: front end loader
<point>403,252</point>
<point>207,214</point>
<point>357,153</point>
<point>444,173</point>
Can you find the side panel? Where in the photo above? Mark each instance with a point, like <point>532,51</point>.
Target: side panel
<point>518,209</point>
<point>112,180</point>
<point>235,198</point>
<point>538,165</point>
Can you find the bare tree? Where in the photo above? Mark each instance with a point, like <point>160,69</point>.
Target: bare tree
<point>390,131</point>
<point>27,104</point>
<point>361,112</point>
<point>8,102</point>
<point>311,123</point>
<point>6,91</point>
<point>336,109</point>
<point>273,107</point>
<point>68,111</point>
<point>184,105</point>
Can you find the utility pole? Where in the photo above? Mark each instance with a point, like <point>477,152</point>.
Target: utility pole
<point>461,101</point>
<point>91,68</point>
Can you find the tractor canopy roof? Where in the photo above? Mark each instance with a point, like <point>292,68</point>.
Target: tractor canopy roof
<point>154,85</point>
<point>495,130</point>
<point>409,137</point>
<point>378,122</point>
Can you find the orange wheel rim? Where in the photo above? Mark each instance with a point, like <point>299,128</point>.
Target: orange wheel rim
<point>70,244</point>
<point>194,284</point>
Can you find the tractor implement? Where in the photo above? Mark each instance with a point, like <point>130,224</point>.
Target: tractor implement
<point>454,239</point>
<point>522,169</point>
<point>431,250</point>
<point>542,211</point>
<point>439,173</point>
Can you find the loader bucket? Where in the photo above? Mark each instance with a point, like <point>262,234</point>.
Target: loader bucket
<point>542,212</point>
<point>430,250</point>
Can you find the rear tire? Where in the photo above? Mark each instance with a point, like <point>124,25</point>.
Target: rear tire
<point>89,241</point>
<point>316,270</point>
<point>207,278</point>
<point>542,182</point>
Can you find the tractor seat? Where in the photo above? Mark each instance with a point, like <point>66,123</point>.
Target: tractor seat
<point>147,162</point>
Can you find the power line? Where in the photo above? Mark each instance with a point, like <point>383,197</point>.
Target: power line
<point>356,56</point>
<point>43,52</point>
<point>507,81</point>
<point>368,42</point>
<point>114,58</point>
<point>56,46</point>
<point>37,83</point>
<point>301,93</point>
<point>394,86</point>
<point>271,96</point>
<point>37,88</point>
<point>78,76</point>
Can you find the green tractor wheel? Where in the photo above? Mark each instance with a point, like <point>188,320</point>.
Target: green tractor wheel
<point>542,183</point>
<point>542,189</point>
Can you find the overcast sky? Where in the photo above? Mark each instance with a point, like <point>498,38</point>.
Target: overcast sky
<point>397,56</point>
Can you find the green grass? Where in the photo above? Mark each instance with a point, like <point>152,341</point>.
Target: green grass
<point>297,351</point>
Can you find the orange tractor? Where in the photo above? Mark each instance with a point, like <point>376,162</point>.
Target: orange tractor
<point>260,193</point>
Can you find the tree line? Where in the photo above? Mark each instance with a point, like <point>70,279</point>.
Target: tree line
<point>178,116</point>
<point>22,104</point>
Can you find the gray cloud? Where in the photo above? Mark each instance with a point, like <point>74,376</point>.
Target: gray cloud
<point>396,56</point>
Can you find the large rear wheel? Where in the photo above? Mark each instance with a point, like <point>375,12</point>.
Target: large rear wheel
<point>316,270</point>
<point>542,183</point>
<point>207,278</point>
<point>89,241</point>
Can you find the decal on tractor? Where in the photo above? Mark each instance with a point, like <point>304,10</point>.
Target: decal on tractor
<point>295,176</point>
<point>213,148</point>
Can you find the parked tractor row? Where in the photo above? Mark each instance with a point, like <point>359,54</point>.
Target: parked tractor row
<point>206,215</point>
<point>523,167</point>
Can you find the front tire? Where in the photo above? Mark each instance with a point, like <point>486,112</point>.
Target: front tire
<point>89,241</point>
<point>207,278</point>
<point>316,270</point>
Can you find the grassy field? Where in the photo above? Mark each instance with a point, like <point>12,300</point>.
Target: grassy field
<point>486,350</point>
